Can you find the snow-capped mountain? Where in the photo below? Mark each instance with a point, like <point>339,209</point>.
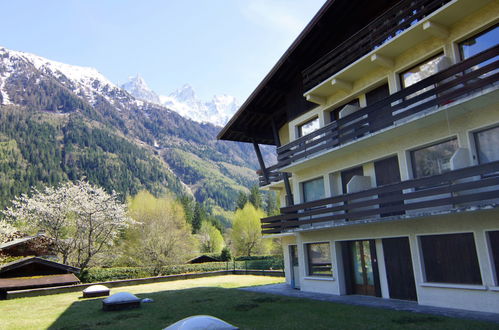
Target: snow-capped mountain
<point>85,82</point>
<point>217,111</point>
<point>73,122</point>
<point>137,86</point>
<point>185,102</point>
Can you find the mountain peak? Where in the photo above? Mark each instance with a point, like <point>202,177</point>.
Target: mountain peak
<point>185,94</point>
<point>138,88</point>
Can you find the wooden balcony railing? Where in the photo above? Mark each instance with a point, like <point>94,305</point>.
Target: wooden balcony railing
<point>273,175</point>
<point>463,188</point>
<point>443,88</point>
<point>391,23</point>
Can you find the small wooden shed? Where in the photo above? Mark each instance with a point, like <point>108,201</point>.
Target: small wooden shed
<point>202,259</point>
<point>35,272</point>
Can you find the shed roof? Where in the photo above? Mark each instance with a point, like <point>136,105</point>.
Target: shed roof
<point>30,260</point>
<point>20,283</point>
<point>15,242</point>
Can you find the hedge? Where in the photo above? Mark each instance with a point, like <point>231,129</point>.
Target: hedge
<point>124,273</point>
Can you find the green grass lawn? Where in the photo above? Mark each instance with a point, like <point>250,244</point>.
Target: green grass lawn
<point>215,296</point>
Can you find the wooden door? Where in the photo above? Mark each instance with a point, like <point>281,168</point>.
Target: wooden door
<point>387,172</point>
<point>361,268</point>
<point>399,271</point>
<point>381,117</point>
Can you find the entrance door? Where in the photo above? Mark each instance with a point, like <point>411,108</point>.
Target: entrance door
<point>361,268</point>
<point>387,172</point>
<point>399,272</point>
<point>295,268</point>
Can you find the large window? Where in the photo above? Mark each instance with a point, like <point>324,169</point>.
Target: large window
<point>308,127</point>
<point>319,259</point>
<point>313,190</point>
<point>479,43</point>
<point>434,159</point>
<point>487,145</point>
<point>450,258</point>
<point>421,71</point>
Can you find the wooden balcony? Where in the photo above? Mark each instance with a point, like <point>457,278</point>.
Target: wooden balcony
<point>462,189</point>
<point>271,175</point>
<point>462,80</point>
<point>392,23</point>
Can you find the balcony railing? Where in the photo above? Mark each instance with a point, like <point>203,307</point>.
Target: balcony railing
<point>443,88</point>
<point>464,188</point>
<point>273,175</point>
<point>393,22</point>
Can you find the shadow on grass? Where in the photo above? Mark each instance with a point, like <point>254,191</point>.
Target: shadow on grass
<point>247,310</point>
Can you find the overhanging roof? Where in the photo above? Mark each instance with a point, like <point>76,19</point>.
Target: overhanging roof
<point>30,260</point>
<point>269,103</point>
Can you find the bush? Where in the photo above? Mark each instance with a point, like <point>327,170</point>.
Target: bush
<point>225,255</point>
<point>123,273</point>
<point>92,275</point>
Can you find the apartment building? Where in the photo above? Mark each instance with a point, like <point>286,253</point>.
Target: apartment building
<point>385,117</point>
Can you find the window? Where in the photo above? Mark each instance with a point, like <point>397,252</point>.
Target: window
<point>313,190</point>
<point>421,71</point>
<point>308,127</point>
<point>450,258</point>
<point>433,160</point>
<point>479,43</point>
<point>486,142</point>
<point>494,249</point>
<point>319,259</point>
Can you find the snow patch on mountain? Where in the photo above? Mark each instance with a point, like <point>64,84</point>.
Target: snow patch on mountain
<point>184,101</point>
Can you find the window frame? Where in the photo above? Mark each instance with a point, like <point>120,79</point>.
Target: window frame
<point>310,271</point>
<point>475,140</point>
<point>413,161</point>
<point>400,74</point>
<point>302,188</point>
<point>474,35</point>
<point>299,132</point>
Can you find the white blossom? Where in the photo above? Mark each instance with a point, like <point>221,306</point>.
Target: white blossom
<point>82,219</point>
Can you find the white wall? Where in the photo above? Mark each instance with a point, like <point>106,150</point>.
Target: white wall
<point>483,297</point>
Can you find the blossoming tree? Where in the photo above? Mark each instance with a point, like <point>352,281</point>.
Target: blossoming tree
<point>82,219</point>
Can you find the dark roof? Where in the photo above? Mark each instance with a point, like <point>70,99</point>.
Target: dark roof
<point>16,242</point>
<point>279,97</point>
<point>19,283</point>
<point>201,259</point>
<point>30,260</point>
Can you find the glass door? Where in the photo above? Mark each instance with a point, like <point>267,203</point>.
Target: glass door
<point>295,267</point>
<point>362,260</point>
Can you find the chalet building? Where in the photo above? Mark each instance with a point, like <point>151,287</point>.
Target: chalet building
<point>386,121</point>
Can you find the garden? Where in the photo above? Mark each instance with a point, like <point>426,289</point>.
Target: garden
<point>217,296</point>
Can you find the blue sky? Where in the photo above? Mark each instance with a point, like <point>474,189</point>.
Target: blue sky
<point>217,46</point>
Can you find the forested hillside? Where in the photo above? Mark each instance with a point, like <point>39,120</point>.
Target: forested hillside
<point>59,122</point>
